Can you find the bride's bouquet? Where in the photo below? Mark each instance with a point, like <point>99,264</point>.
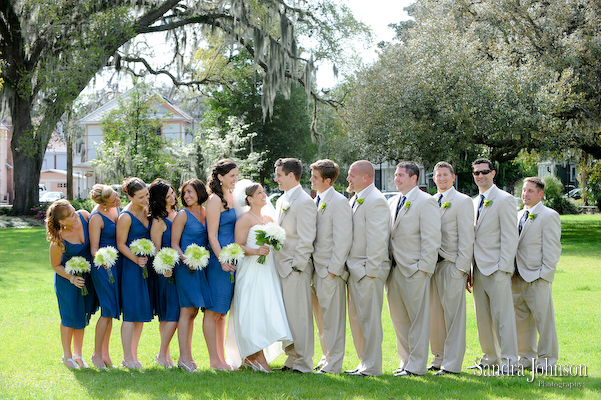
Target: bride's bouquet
<point>78,266</point>
<point>273,235</point>
<point>233,254</point>
<point>165,260</point>
<point>143,248</point>
<point>197,257</point>
<point>106,256</point>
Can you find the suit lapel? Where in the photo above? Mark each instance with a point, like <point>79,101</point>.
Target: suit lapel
<point>485,208</point>
<point>404,209</point>
<point>448,199</point>
<point>291,200</point>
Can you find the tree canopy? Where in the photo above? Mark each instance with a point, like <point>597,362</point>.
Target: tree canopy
<point>489,78</point>
<point>51,49</point>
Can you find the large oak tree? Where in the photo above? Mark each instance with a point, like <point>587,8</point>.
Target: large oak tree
<point>51,49</point>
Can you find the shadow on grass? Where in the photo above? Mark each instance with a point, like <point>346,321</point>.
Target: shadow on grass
<point>245,384</point>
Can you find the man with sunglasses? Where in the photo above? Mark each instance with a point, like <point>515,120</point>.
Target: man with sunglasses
<point>495,247</point>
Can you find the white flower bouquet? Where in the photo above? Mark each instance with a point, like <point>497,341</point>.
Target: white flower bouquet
<point>143,248</point>
<point>197,257</point>
<point>233,254</point>
<point>78,266</point>
<point>165,260</point>
<point>106,256</point>
<point>273,235</point>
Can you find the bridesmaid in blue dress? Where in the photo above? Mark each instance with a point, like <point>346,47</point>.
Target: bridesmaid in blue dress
<point>103,232</point>
<point>133,223</point>
<point>67,232</point>
<point>163,211</point>
<point>221,220</point>
<point>192,286</point>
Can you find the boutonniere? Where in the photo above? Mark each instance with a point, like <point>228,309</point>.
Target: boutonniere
<point>487,203</point>
<point>532,217</point>
<point>322,206</point>
<point>285,206</point>
<point>446,204</point>
<point>407,205</point>
<point>359,201</point>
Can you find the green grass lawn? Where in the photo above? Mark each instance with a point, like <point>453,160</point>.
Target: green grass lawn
<point>30,350</point>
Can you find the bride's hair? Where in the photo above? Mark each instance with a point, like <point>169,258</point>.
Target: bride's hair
<point>221,167</point>
<point>250,191</point>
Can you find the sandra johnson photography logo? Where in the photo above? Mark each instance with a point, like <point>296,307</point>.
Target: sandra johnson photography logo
<point>540,371</point>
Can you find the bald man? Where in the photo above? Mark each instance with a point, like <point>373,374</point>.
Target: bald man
<point>368,265</point>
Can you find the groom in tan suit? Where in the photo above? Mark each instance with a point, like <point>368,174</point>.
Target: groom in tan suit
<point>495,246</point>
<point>296,213</point>
<point>414,244</point>
<point>447,292</point>
<point>368,265</point>
<point>331,248</point>
<point>539,248</point>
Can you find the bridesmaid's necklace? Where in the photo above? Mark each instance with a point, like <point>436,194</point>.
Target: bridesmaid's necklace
<point>261,221</point>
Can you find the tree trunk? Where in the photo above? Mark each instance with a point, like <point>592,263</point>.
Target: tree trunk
<point>27,158</point>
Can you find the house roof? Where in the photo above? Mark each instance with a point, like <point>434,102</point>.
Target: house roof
<point>177,113</point>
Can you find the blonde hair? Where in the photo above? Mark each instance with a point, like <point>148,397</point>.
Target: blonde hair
<point>100,193</point>
<point>56,212</point>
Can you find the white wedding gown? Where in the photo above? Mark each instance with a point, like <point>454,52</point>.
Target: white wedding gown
<point>257,317</point>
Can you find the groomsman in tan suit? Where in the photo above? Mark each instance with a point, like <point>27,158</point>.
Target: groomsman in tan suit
<point>447,292</point>
<point>414,244</point>
<point>539,248</point>
<point>494,254</point>
<point>368,265</point>
<point>296,213</point>
<point>331,248</point>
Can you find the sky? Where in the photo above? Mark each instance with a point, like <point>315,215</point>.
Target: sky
<point>377,14</point>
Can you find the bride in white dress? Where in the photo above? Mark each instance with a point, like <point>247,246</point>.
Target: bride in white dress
<point>258,318</point>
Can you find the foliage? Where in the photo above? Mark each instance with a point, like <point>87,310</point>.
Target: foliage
<point>51,49</point>
<point>482,78</point>
<point>594,182</point>
<point>132,144</point>
<point>195,159</point>
<point>554,197</point>
<point>285,134</point>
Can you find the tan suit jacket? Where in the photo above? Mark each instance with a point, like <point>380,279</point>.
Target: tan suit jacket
<point>368,265</point>
<point>369,249</point>
<point>414,243</point>
<point>415,233</point>
<point>447,295</point>
<point>331,248</point>
<point>457,240</point>
<point>299,222</point>
<point>539,248</point>
<point>496,233</point>
<point>495,246</point>
<point>539,245</point>
<point>333,240</point>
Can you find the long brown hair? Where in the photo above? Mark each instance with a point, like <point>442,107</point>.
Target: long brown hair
<point>57,211</point>
<point>221,167</point>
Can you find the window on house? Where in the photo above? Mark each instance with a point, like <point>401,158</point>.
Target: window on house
<point>61,185</point>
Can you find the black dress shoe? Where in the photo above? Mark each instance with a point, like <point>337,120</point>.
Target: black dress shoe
<point>445,372</point>
<point>283,369</point>
<point>351,371</point>
<point>406,373</point>
<point>358,373</point>
<point>433,368</point>
<point>296,371</point>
